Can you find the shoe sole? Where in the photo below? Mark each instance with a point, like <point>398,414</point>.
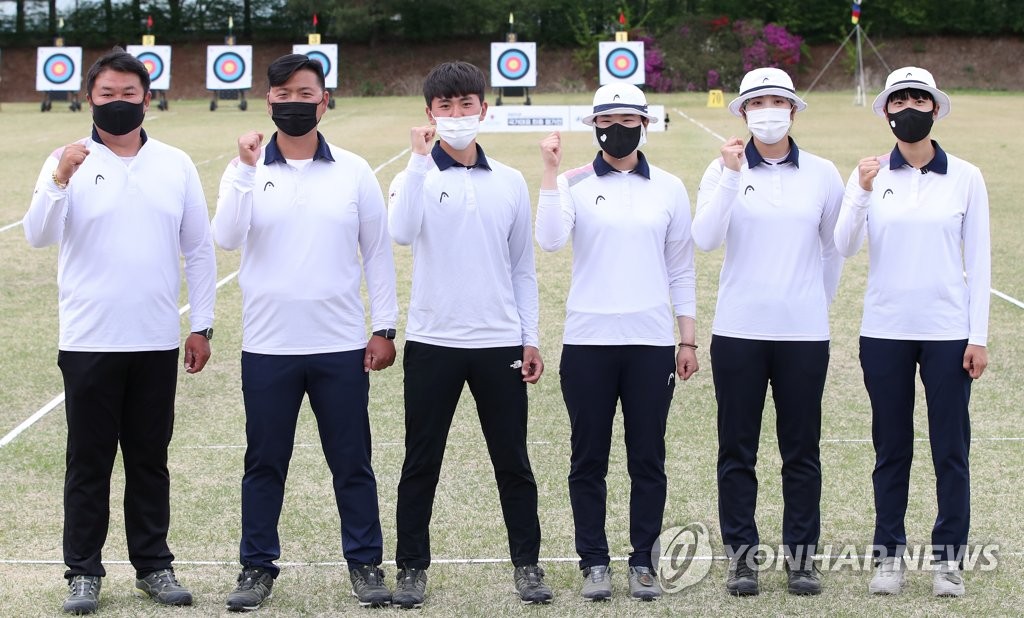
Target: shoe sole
<point>248,608</point>
<point>598,598</point>
<point>142,594</point>
<point>743,592</point>
<point>407,605</point>
<point>804,592</point>
<point>372,603</point>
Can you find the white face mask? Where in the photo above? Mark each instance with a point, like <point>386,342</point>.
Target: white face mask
<point>458,132</point>
<point>770,124</point>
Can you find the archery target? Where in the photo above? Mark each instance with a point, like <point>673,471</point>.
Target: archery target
<point>326,55</point>
<point>157,59</point>
<point>513,64</point>
<point>622,62</point>
<point>59,69</point>
<point>228,67</point>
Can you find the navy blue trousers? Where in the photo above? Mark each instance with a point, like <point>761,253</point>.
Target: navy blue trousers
<point>338,389</point>
<point>889,367</point>
<point>434,379</point>
<point>126,399</point>
<point>594,379</point>
<point>742,370</point>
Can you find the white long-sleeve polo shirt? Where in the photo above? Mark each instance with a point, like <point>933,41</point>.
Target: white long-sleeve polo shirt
<point>781,268</point>
<point>122,227</point>
<point>474,284</point>
<point>926,229</point>
<point>632,263</point>
<point>303,230</point>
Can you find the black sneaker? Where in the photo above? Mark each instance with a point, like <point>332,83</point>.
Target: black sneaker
<point>803,581</point>
<point>530,585</point>
<point>84,595</point>
<point>742,579</point>
<point>254,587</point>
<point>368,586</point>
<point>163,587</point>
<point>410,589</point>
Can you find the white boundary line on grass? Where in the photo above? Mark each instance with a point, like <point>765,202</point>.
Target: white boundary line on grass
<point>455,561</point>
<point>59,399</point>
<point>994,291</point>
<point>10,225</point>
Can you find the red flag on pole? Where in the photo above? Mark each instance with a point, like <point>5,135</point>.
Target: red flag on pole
<point>315,20</point>
<point>149,21</point>
<point>622,18</point>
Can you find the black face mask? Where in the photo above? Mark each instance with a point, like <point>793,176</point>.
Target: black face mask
<point>617,140</point>
<point>911,125</point>
<point>294,118</point>
<point>118,117</point>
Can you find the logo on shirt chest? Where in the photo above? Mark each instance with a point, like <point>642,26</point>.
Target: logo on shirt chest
<point>267,185</point>
<point>444,195</point>
<point>98,178</point>
<point>887,193</point>
<point>749,189</point>
<point>598,200</point>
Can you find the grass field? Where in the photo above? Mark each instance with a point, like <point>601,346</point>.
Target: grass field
<point>206,453</point>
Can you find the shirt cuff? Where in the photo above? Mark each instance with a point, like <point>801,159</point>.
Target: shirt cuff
<point>420,164</point>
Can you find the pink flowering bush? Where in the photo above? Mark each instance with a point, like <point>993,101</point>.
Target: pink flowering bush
<point>703,53</point>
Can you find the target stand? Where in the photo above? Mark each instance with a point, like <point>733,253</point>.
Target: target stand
<point>229,72</point>
<point>59,75</point>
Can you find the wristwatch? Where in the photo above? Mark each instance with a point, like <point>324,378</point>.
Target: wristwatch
<point>206,332</point>
<point>387,333</point>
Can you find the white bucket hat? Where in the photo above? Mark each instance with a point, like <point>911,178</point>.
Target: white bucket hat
<point>765,81</point>
<point>911,77</point>
<point>619,98</point>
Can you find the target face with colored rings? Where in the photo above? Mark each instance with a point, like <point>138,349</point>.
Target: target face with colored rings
<point>229,67</point>
<point>513,64</point>
<point>327,55</point>
<point>157,60</point>
<point>59,68</point>
<point>621,63</point>
<point>319,56</point>
<point>154,64</point>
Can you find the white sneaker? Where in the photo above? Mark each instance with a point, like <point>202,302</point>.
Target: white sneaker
<point>890,576</point>
<point>946,580</point>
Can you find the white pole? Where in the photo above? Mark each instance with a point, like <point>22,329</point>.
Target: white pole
<point>859,98</point>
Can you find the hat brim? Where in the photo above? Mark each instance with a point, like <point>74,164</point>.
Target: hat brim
<point>632,111</point>
<point>941,98</point>
<point>736,105</point>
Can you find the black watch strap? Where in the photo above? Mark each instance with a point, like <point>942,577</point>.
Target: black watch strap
<point>206,332</point>
<point>387,333</point>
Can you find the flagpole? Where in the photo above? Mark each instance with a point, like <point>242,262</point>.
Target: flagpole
<point>859,99</point>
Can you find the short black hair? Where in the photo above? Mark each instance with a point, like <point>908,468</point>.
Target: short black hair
<point>117,59</point>
<point>454,79</point>
<point>909,93</point>
<point>282,69</point>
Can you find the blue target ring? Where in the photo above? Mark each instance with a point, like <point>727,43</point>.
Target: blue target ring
<point>58,68</point>
<point>229,67</point>
<point>319,56</point>
<point>621,63</point>
<point>513,64</point>
<point>154,64</point>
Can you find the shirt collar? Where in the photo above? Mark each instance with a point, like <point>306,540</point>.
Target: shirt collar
<point>96,136</point>
<point>272,154</point>
<point>939,163</point>
<point>754,157</point>
<point>602,167</point>
<point>443,160</point>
